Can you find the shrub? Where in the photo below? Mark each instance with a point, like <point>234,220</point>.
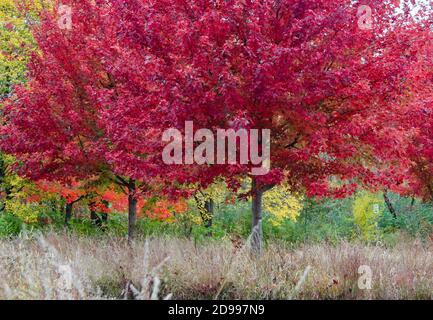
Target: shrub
<point>10,225</point>
<point>367,210</point>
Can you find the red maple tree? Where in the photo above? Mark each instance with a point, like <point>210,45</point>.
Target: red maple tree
<point>331,91</point>
<point>91,105</point>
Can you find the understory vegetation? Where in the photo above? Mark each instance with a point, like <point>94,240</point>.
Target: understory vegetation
<point>328,220</point>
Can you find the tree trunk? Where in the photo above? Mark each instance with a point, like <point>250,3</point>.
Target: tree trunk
<point>209,206</point>
<point>96,219</point>
<point>412,203</point>
<point>68,213</point>
<point>104,217</point>
<point>389,204</point>
<point>257,233</point>
<point>132,209</point>
<point>2,180</point>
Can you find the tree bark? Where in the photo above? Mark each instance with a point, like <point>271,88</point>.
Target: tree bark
<point>2,180</point>
<point>257,232</point>
<point>68,213</point>
<point>389,204</point>
<point>104,217</point>
<point>209,206</point>
<point>68,210</point>
<point>132,209</point>
<point>412,203</point>
<point>96,219</point>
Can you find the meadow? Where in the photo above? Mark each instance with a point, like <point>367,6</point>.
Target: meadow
<point>318,256</point>
<point>64,266</point>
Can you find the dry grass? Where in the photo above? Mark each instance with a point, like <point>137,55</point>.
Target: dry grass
<point>68,267</point>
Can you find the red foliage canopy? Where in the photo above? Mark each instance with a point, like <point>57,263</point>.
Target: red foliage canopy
<point>100,95</point>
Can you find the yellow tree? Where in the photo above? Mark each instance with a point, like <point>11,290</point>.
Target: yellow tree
<point>206,200</point>
<point>16,46</point>
<point>282,204</point>
<point>16,40</point>
<point>367,210</point>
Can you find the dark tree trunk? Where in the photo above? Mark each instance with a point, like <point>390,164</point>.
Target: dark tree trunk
<point>104,217</point>
<point>257,233</point>
<point>389,204</point>
<point>68,213</point>
<point>2,180</point>
<point>53,205</point>
<point>96,219</point>
<point>208,221</point>
<point>412,203</point>
<point>209,206</point>
<point>132,209</point>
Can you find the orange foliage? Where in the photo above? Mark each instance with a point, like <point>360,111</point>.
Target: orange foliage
<point>108,200</point>
<point>164,209</point>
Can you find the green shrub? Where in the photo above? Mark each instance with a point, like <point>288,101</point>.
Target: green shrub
<point>10,225</point>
